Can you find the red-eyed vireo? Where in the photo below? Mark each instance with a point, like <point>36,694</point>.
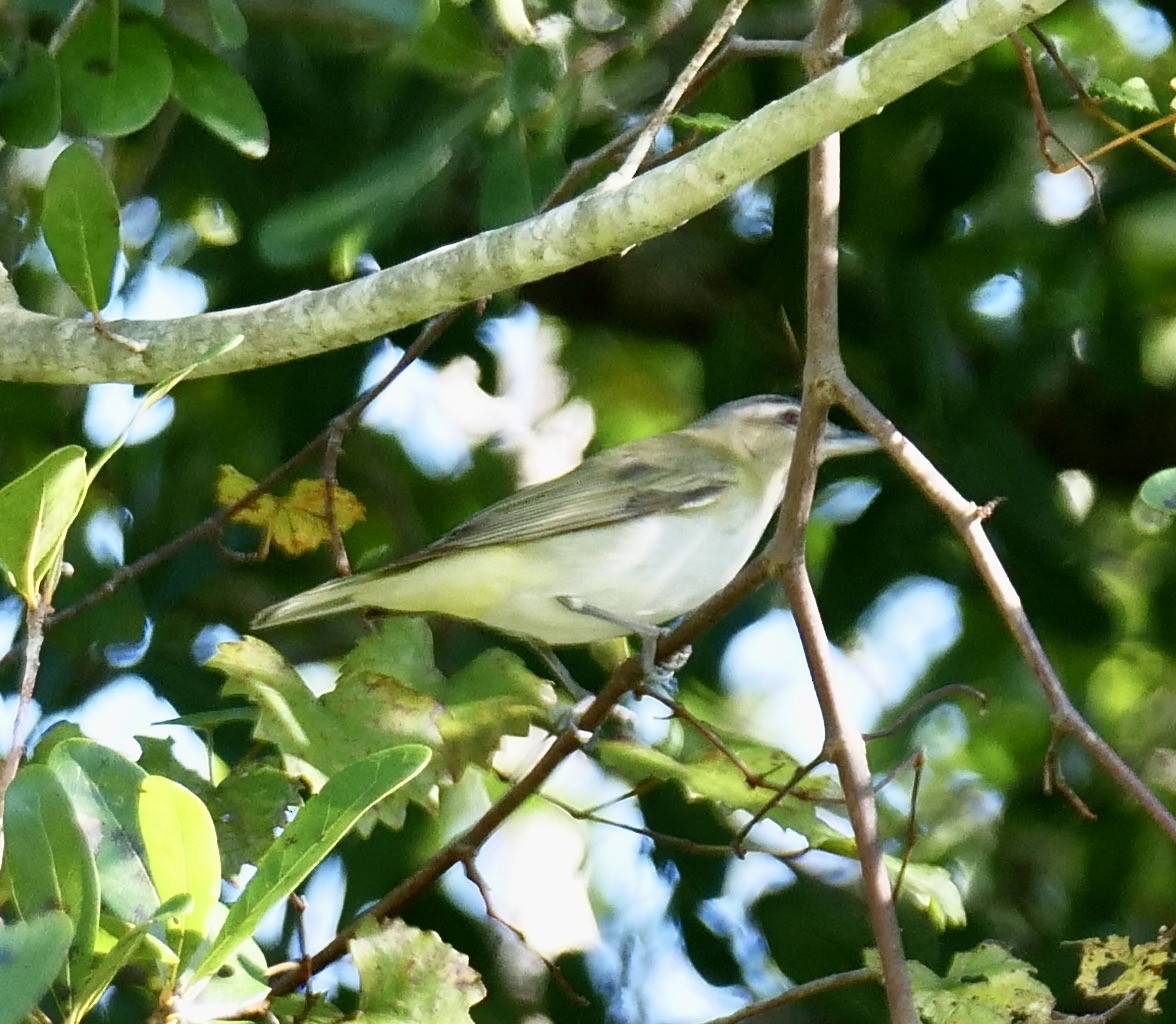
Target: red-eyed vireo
<point>631,538</point>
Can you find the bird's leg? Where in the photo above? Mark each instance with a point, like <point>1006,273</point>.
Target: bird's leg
<point>648,633</point>
<point>559,669</point>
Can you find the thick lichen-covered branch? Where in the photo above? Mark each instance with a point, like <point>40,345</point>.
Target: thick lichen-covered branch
<point>36,347</point>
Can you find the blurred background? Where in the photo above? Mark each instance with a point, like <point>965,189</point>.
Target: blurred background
<point>1019,330</point>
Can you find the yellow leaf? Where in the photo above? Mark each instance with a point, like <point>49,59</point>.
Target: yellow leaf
<point>231,486</point>
<point>1112,967</point>
<point>296,522</point>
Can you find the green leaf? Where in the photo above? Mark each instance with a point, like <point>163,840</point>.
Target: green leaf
<point>325,819</point>
<point>377,702</point>
<point>115,76</point>
<point>116,958</point>
<point>32,954</point>
<point>706,773</point>
<point>182,858</point>
<point>495,695</point>
<point>407,975</point>
<point>36,511</point>
<point>1134,93</point>
<point>30,101</point>
<point>985,985</point>
<point>103,787</point>
<point>1111,968</point>
<point>247,807</point>
<point>158,757</point>
<point>212,91</point>
<point>214,718</point>
<point>1159,490</point>
<point>532,76</point>
<point>48,864</point>
<point>511,16</point>
<point>706,123</point>
<point>80,220</point>
<point>228,22</point>
<point>932,890</point>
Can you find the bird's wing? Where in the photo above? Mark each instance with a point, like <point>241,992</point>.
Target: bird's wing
<point>619,484</point>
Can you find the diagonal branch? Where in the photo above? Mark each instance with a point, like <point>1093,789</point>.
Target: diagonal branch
<point>37,347</point>
<point>968,521</point>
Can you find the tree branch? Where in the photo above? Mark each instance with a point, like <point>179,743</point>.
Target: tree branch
<point>968,521</point>
<point>37,347</point>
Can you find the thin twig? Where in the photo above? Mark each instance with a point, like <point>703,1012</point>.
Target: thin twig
<point>931,699</point>
<point>807,990</point>
<point>1094,108</point>
<point>1108,1015</point>
<point>470,866</point>
<point>723,24</point>
<point>963,516</point>
<point>755,780</point>
<point>34,638</point>
<point>333,446</point>
<point>1045,131</point>
<point>912,833</point>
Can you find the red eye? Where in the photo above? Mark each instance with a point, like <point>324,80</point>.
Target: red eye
<point>790,417</point>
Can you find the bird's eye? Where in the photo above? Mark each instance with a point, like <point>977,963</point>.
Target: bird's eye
<point>790,417</point>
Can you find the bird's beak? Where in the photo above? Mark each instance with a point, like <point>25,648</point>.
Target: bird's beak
<point>839,441</point>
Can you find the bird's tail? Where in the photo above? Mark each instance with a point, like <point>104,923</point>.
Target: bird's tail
<point>326,599</point>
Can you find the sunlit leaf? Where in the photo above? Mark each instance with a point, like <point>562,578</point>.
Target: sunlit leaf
<point>48,864</point>
<point>985,985</point>
<point>36,511</point>
<point>410,976</point>
<point>116,958</point>
<point>247,807</point>
<point>381,699</point>
<point>325,819</point>
<point>932,890</point>
<point>103,787</point>
<point>239,987</point>
<point>495,695</point>
<point>1159,490</point>
<point>1134,93</point>
<point>295,522</point>
<point>179,841</point>
<point>1113,968</point>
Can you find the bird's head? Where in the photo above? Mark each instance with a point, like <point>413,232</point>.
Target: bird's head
<point>766,425</point>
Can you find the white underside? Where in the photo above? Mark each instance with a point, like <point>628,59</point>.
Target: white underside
<point>647,570</point>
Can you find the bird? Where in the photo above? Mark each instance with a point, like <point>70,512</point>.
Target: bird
<point>632,538</point>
